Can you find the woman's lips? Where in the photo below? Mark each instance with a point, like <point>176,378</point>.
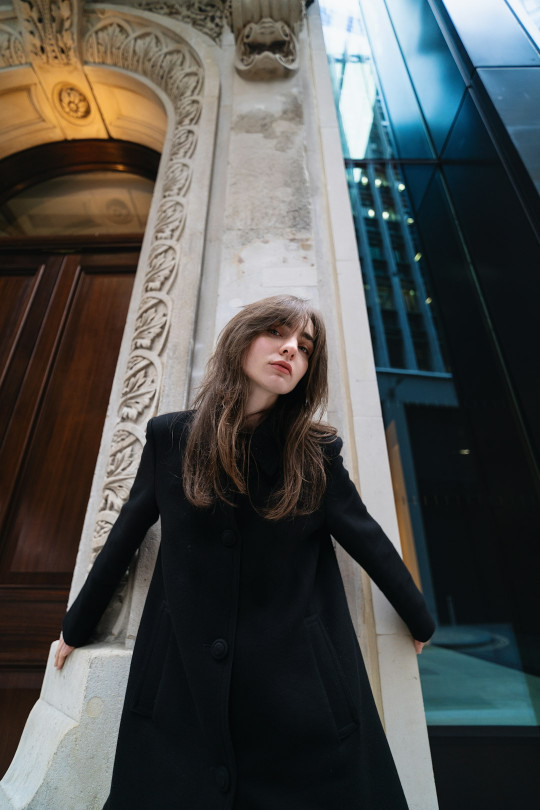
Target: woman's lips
<point>283,366</point>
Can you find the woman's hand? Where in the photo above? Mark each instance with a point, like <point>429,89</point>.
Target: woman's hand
<point>62,652</point>
<point>419,646</point>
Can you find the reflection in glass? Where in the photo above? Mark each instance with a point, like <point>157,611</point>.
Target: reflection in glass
<point>528,12</point>
<point>399,300</point>
<point>352,75</point>
<point>458,467</point>
<point>89,203</point>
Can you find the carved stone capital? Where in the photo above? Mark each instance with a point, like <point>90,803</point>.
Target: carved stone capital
<point>265,33</point>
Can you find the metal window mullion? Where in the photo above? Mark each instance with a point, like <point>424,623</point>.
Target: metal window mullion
<point>408,346</point>
<point>433,341</point>
<point>366,267</point>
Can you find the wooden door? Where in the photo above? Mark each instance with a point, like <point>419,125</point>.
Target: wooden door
<point>61,323</point>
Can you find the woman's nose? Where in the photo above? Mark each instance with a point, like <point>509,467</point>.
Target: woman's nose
<point>289,348</point>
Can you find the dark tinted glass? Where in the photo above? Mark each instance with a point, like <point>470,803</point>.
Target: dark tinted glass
<point>515,92</point>
<point>479,507</point>
<point>506,255</point>
<point>434,73</point>
<point>408,127</point>
<point>490,33</point>
<point>448,258</point>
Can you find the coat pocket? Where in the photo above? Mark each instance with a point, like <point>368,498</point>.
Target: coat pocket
<point>332,677</point>
<point>151,668</point>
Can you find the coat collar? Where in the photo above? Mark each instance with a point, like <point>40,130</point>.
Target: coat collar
<point>266,448</point>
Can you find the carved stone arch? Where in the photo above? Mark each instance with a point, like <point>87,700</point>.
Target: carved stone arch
<point>174,61</point>
<point>79,713</point>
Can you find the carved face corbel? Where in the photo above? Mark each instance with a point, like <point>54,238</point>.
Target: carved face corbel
<point>265,33</point>
<point>266,50</point>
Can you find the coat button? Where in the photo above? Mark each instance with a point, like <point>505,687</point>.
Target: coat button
<point>222,778</point>
<point>219,649</point>
<point>228,538</point>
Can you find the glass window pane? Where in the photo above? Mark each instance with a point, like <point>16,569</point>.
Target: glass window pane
<point>89,203</point>
<point>374,124</point>
<point>436,77</point>
<point>449,268</point>
<point>515,92</point>
<point>478,510</point>
<point>528,12</point>
<point>491,34</point>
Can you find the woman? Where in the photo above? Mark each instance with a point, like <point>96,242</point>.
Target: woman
<point>247,689</point>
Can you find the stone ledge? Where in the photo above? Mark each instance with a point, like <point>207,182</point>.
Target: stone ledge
<point>66,751</point>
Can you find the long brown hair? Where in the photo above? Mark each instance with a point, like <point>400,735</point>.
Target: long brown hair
<point>215,455</point>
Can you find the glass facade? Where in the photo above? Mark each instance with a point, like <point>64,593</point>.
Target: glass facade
<point>450,256</point>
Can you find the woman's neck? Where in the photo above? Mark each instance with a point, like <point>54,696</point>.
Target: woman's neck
<point>252,420</point>
<point>257,407</point>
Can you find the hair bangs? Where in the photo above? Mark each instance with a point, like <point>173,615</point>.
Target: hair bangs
<point>215,458</point>
<point>289,311</point>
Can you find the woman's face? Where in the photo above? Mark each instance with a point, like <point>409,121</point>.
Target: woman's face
<point>276,361</point>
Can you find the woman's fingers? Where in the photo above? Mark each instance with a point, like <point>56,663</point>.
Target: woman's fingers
<point>419,646</point>
<point>62,652</point>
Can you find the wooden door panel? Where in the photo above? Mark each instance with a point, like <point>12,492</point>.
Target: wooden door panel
<point>29,623</point>
<point>22,330</point>
<point>52,493</point>
<point>55,395</point>
<point>30,364</point>
<point>16,286</point>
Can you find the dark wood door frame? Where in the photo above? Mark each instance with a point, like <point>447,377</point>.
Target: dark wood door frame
<point>48,299</point>
<point>31,166</point>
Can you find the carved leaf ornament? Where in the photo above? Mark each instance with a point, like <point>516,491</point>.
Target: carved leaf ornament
<point>204,15</point>
<point>11,48</point>
<point>152,324</point>
<point>168,62</point>
<point>48,26</point>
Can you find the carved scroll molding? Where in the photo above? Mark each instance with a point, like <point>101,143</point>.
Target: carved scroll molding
<point>207,16</point>
<point>265,32</point>
<point>168,62</point>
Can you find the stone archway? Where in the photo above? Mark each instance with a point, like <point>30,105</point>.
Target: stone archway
<point>170,64</point>
<point>78,712</point>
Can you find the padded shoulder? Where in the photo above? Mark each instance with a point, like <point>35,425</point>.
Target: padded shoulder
<point>332,448</point>
<point>170,422</point>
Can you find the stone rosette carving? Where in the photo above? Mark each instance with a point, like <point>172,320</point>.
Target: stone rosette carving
<point>265,34</point>
<point>168,62</point>
<point>72,102</point>
<point>206,16</point>
<point>48,27</point>
<point>118,212</point>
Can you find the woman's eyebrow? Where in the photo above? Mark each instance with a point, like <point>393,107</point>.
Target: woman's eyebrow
<point>307,336</point>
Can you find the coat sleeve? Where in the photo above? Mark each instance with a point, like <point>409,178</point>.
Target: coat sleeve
<point>361,536</point>
<point>136,516</point>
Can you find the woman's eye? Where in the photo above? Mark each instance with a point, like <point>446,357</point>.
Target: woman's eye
<point>274,332</point>
<point>304,349</point>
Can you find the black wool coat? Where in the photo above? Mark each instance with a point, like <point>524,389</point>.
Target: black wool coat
<point>247,689</point>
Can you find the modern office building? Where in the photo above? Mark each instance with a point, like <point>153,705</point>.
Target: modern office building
<point>439,108</point>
